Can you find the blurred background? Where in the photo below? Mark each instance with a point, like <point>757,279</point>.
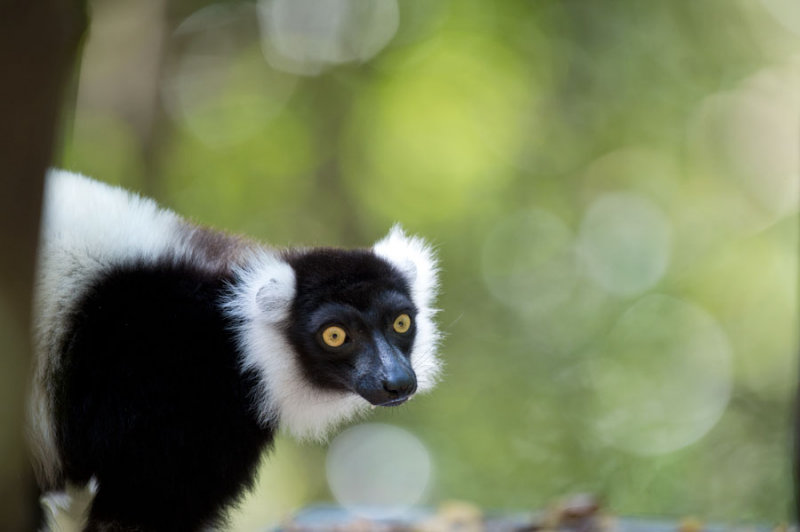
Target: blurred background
<point>612,188</point>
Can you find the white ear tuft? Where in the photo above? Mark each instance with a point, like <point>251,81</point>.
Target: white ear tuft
<point>274,299</point>
<point>264,290</point>
<point>409,269</point>
<point>260,298</point>
<point>416,260</point>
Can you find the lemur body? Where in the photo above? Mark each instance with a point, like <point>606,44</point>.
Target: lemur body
<point>168,354</point>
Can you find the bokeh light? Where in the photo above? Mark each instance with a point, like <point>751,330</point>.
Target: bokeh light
<point>378,470</point>
<point>662,378</point>
<point>625,241</point>
<point>611,188</point>
<point>752,134</point>
<point>220,87</point>
<point>309,36</point>
<point>637,168</point>
<point>786,12</point>
<point>438,137</point>
<point>529,261</point>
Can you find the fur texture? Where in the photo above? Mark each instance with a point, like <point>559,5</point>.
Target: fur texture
<point>416,259</point>
<point>168,354</point>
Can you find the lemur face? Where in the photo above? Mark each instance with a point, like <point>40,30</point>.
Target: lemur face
<point>353,325</point>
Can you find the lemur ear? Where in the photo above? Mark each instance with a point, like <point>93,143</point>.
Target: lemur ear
<point>274,287</point>
<point>272,300</point>
<point>414,258</point>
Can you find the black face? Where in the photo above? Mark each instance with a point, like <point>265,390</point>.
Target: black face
<point>353,324</point>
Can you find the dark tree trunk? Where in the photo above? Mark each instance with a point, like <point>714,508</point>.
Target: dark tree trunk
<point>39,40</point>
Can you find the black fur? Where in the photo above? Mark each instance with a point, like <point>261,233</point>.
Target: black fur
<point>364,294</point>
<point>150,398</point>
<point>151,401</point>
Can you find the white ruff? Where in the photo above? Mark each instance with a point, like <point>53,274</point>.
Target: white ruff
<point>87,226</point>
<point>260,302</point>
<point>400,250</point>
<point>286,398</point>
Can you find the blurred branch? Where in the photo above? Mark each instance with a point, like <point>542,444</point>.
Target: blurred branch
<point>328,179</point>
<point>38,44</point>
<point>156,127</point>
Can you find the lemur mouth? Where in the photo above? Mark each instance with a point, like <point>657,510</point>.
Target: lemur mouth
<point>395,402</point>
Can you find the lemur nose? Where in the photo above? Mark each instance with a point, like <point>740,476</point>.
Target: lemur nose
<point>400,382</point>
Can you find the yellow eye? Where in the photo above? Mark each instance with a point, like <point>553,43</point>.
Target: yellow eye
<point>402,323</point>
<point>334,336</point>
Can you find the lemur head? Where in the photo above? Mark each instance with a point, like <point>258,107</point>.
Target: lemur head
<point>333,331</point>
<point>352,324</point>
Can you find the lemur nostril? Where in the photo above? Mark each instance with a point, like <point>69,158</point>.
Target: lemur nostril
<point>391,388</point>
<point>404,384</point>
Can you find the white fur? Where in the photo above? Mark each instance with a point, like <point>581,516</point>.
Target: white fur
<point>400,250</point>
<point>86,227</point>
<point>67,509</point>
<point>260,302</point>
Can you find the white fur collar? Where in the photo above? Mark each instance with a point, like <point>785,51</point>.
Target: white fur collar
<point>260,302</point>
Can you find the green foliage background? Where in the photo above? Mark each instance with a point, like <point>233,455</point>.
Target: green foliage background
<point>494,129</point>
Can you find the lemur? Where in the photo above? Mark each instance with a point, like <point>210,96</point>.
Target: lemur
<point>169,354</point>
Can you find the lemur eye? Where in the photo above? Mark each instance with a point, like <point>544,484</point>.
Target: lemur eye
<point>334,336</point>
<point>402,323</point>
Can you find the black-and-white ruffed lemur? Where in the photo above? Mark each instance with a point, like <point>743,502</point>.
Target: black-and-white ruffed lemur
<point>169,354</point>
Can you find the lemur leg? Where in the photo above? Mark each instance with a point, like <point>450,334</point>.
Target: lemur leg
<point>118,508</point>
